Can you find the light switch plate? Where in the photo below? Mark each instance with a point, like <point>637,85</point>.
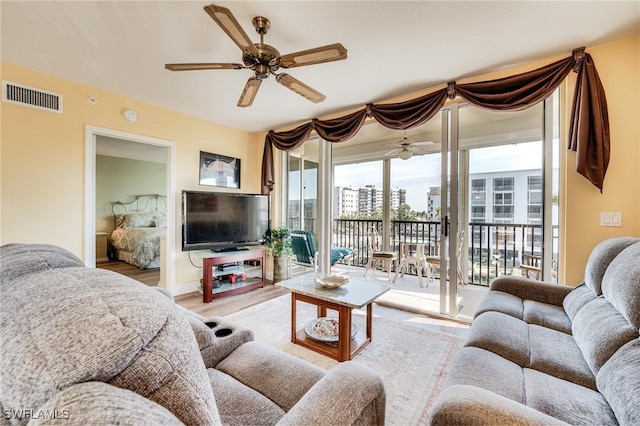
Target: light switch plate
<point>616,219</point>
<point>611,219</point>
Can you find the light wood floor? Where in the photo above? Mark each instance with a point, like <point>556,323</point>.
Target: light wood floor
<point>145,276</point>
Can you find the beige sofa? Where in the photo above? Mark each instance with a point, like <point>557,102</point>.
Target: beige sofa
<point>89,346</point>
<point>550,354</point>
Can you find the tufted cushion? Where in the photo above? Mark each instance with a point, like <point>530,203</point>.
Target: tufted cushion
<point>255,409</point>
<point>483,369</point>
<point>130,336</point>
<point>621,284</point>
<point>499,301</point>
<point>600,258</point>
<point>22,259</point>
<point>529,345</point>
<point>546,315</point>
<point>267,371</point>
<point>557,354</point>
<point>619,382</point>
<point>515,347</point>
<point>600,330</point>
<point>576,300</point>
<point>90,402</point>
<point>566,401</point>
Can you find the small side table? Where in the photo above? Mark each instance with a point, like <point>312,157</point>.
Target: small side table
<point>357,293</point>
<point>101,247</point>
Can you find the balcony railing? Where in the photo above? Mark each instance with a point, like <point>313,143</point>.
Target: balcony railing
<point>490,249</point>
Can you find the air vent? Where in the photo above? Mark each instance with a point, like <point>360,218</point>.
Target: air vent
<point>31,97</point>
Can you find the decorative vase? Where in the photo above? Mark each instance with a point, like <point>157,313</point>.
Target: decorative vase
<point>280,268</point>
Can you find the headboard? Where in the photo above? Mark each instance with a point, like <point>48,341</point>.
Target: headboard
<point>143,203</point>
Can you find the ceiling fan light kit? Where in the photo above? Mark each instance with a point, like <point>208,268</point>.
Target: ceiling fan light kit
<point>405,154</point>
<point>263,59</point>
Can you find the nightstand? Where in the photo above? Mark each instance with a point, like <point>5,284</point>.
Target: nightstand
<point>101,247</point>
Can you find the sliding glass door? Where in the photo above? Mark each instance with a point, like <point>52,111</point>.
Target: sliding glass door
<point>477,187</point>
<point>302,201</point>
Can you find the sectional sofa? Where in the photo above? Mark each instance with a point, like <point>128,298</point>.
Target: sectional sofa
<point>545,354</point>
<point>89,346</point>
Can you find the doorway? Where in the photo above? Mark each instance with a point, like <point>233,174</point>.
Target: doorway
<point>135,144</point>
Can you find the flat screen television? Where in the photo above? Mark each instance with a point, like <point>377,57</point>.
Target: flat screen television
<point>222,221</point>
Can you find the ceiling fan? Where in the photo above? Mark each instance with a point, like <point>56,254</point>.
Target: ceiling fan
<point>406,148</point>
<point>264,59</point>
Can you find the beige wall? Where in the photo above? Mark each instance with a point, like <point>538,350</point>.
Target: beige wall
<point>43,158</point>
<point>42,174</point>
<point>618,65</point>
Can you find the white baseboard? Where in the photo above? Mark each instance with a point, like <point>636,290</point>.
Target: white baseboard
<point>186,288</point>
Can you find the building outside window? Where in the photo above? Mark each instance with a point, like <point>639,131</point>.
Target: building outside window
<point>534,200</point>
<point>503,208</point>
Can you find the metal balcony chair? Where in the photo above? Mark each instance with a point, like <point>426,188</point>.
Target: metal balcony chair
<point>531,267</point>
<point>433,262</point>
<point>305,251</point>
<point>378,256</point>
<point>412,254</point>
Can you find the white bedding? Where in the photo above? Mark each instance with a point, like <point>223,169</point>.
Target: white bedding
<point>143,243</point>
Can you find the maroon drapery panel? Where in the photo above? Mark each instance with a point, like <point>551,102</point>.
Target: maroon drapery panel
<point>340,129</point>
<point>589,134</point>
<point>519,91</point>
<point>412,113</point>
<point>285,141</point>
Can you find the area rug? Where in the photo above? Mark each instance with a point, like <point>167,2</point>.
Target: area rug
<point>413,361</point>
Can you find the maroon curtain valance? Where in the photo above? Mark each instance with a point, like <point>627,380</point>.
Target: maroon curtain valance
<point>589,130</point>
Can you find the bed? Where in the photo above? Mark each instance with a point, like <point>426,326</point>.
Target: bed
<point>138,226</point>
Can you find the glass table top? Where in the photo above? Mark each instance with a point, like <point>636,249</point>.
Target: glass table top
<point>357,293</point>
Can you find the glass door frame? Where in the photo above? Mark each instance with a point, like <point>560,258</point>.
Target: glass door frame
<point>453,218</point>
<point>449,205</point>
<point>456,217</point>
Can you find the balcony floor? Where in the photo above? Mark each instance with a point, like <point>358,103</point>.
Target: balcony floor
<point>407,295</point>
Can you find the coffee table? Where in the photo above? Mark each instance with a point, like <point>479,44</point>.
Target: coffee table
<point>357,293</point>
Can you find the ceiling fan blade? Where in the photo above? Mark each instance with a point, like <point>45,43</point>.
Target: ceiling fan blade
<point>202,66</point>
<point>392,152</point>
<point>418,151</point>
<point>225,19</point>
<point>249,92</point>
<point>318,55</point>
<point>423,143</point>
<point>300,88</point>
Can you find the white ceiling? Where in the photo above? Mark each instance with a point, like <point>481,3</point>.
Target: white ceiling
<point>394,48</point>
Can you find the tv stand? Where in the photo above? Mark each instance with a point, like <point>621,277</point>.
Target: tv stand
<point>251,263</point>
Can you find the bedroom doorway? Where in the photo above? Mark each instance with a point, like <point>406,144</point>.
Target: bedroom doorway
<point>130,152</point>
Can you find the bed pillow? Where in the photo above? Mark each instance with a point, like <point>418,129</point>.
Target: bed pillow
<point>139,220</point>
<point>160,220</point>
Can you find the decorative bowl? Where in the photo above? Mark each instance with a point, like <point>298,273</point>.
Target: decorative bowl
<point>331,281</point>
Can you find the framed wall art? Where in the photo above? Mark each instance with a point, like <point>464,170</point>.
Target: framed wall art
<point>219,170</point>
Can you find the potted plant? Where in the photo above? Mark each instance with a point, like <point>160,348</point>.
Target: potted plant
<point>278,241</point>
